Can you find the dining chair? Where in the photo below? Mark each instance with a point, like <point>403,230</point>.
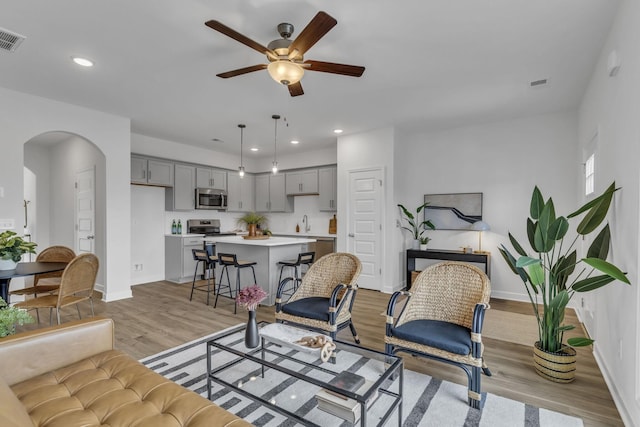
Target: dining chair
<point>325,297</point>
<point>47,282</point>
<point>441,319</point>
<point>76,285</point>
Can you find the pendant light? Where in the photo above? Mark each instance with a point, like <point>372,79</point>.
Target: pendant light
<point>274,169</point>
<point>241,168</point>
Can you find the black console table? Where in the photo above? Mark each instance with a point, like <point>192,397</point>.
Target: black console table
<point>444,255</point>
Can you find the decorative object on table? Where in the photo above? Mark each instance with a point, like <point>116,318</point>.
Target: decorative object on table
<point>249,298</point>
<point>455,211</point>
<point>288,336</point>
<point>480,226</point>
<point>343,407</point>
<point>333,225</point>
<point>424,240</point>
<point>547,274</point>
<point>416,228</point>
<point>297,228</point>
<point>12,247</point>
<point>323,342</point>
<point>251,220</point>
<point>10,317</point>
<point>442,319</point>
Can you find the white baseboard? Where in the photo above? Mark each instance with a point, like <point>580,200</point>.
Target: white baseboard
<point>627,418</point>
<point>512,296</point>
<point>115,296</point>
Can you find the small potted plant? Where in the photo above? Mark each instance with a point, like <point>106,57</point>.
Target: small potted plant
<point>416,227</point>
<point>10,317</point>
<point>249,298</point>
<point>12,247</point>
<point>423,242</point>
<point>252,220</point>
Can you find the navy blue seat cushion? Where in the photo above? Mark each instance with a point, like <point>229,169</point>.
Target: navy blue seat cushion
<point>436,333</point>
<point>310,308</point>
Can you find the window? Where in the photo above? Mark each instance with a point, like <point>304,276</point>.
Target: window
<point>589,175</point>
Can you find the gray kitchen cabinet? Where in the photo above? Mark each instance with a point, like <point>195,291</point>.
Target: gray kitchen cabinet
<point>151,171</point>
<point>328,188</point>
<point>211,178</point>
<point>179,263</point>
<point>240,192</point>
<point>302,182</point>
<point>181,197</point>
<point>271,194</point>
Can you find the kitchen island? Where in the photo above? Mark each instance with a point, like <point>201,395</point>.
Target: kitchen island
<point>266,252</point>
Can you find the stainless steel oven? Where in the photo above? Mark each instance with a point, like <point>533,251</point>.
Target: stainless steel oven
<point>211,198</point>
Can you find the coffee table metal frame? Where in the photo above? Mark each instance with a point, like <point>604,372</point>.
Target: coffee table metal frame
<point>393,369</point>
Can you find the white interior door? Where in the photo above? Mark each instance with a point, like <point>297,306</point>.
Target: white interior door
<point>85,211</point>
<point>364,233</point>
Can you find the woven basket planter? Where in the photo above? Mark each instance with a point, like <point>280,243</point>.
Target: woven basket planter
<point>559,367</point>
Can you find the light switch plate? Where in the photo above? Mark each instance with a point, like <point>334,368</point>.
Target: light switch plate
<point>7,224</point>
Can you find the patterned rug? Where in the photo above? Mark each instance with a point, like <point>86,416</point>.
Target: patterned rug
<point>427,401</point>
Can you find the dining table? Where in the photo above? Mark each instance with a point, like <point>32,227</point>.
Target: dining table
<point>24,269</point>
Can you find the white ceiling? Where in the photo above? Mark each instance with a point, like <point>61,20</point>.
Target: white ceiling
<point>429,63</point>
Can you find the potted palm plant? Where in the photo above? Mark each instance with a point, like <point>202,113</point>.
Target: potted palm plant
<point>415,226</point>
<point>252,220</point>
<point>12,247</point>
<point>548,273</point>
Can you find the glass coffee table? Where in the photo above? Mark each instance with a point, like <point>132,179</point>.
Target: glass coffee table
<point>286,378</point>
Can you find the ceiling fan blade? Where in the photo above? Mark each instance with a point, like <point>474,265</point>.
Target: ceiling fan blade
<point>314,31</point>
<point>229,32</point>
<point>241,71</point>
<point>330,67</point>
<point>296,89</point>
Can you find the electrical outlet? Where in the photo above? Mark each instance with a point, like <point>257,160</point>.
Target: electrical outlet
<point>137,267</point>
<point>582,302</point>
<point>7,224</point>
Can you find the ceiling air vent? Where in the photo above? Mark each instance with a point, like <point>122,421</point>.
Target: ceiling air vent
<point>10,41</point>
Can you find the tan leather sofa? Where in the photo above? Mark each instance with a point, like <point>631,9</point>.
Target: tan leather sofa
<point>70,375</point>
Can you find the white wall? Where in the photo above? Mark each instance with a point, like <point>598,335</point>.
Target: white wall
<point>147,233</point>
<point>374,149</point>
<point>611,106</point>
<point>502,160</point>
<point>37,191</point>
<point>23,117</point>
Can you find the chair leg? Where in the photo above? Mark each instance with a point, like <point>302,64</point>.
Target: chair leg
<point>78,308</point>
<point>486,371</point>
<point>356,338</point>
<point>475,396</point>
<point>38,315</point>
<point>255,282</point>
<point>58,314</point>
<point>212,275</point>
<point>91,303</point>
<point>50,316</point>
<point>193,283</point>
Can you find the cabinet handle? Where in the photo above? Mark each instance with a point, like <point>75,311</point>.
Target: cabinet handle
<point>300,187</point>
<point>149,175</point>
<point>144,174</point>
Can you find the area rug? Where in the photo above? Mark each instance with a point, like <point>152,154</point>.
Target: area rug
<point>427,401</point>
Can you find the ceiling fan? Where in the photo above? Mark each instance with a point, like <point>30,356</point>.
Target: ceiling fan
<point>286,57</point>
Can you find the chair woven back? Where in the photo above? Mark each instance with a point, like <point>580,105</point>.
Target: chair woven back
<point>79,276</point>
<point>447,291</point>
<point>53,254</point>
<point>326,273</point>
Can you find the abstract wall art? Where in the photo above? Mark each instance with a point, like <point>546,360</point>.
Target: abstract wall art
<point>454,211</point>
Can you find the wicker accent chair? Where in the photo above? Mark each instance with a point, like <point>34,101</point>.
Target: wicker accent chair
<point>442,319</point>
<point>76,285</point>
<point>325,297</point>
<point>48,282</point>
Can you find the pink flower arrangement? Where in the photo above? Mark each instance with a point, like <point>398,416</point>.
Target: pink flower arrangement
<point>250,297</point>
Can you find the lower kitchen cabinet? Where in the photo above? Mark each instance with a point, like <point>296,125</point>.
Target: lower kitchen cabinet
<point>179,265</point>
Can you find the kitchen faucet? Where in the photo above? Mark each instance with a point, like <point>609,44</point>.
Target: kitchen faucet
<point>305,221</point>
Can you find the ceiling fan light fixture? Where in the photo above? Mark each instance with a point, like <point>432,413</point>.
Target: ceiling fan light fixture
<point>285,72</point>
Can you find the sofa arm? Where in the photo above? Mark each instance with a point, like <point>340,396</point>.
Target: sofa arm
<point>33,353</point>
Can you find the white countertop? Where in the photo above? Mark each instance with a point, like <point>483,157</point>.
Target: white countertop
<point>271,241</point>
<point>310,234</point>
<point>184,235</point>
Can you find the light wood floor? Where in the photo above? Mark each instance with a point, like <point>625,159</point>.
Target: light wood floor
<point>160,316</point>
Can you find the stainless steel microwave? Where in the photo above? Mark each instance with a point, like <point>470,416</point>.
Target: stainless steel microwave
<point>211,198</point>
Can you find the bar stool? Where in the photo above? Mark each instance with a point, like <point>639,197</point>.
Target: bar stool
<point>304,258</point>
<point>230,260</point>
<point>209,262</point>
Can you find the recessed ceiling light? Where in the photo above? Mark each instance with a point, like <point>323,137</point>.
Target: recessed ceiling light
<point>294,142</point>
<point>254,149</point>
<point>337,131</point>
<point>84,62</point>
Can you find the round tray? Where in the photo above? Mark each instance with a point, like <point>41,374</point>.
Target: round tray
<point>255,237</point>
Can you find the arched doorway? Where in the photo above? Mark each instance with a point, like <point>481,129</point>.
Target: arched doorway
<point>52,163</point>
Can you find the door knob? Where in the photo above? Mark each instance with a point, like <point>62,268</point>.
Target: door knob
<point>91,237</point>
<point>352,235</point>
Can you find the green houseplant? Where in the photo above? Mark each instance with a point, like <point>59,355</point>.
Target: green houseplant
<point>548,271</point>
<point>10,317</point>
<point>251,220</point>
<point>415,226</point>
<point>12,247</point>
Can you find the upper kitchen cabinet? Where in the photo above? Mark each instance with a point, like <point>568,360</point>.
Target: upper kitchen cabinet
<point>328,188</point>
<point>240,192</point>
<point>211,178</point>
<point>302,182</point>
<point>182,196</point>
<point>151,171</point>
<point>271,194</point>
